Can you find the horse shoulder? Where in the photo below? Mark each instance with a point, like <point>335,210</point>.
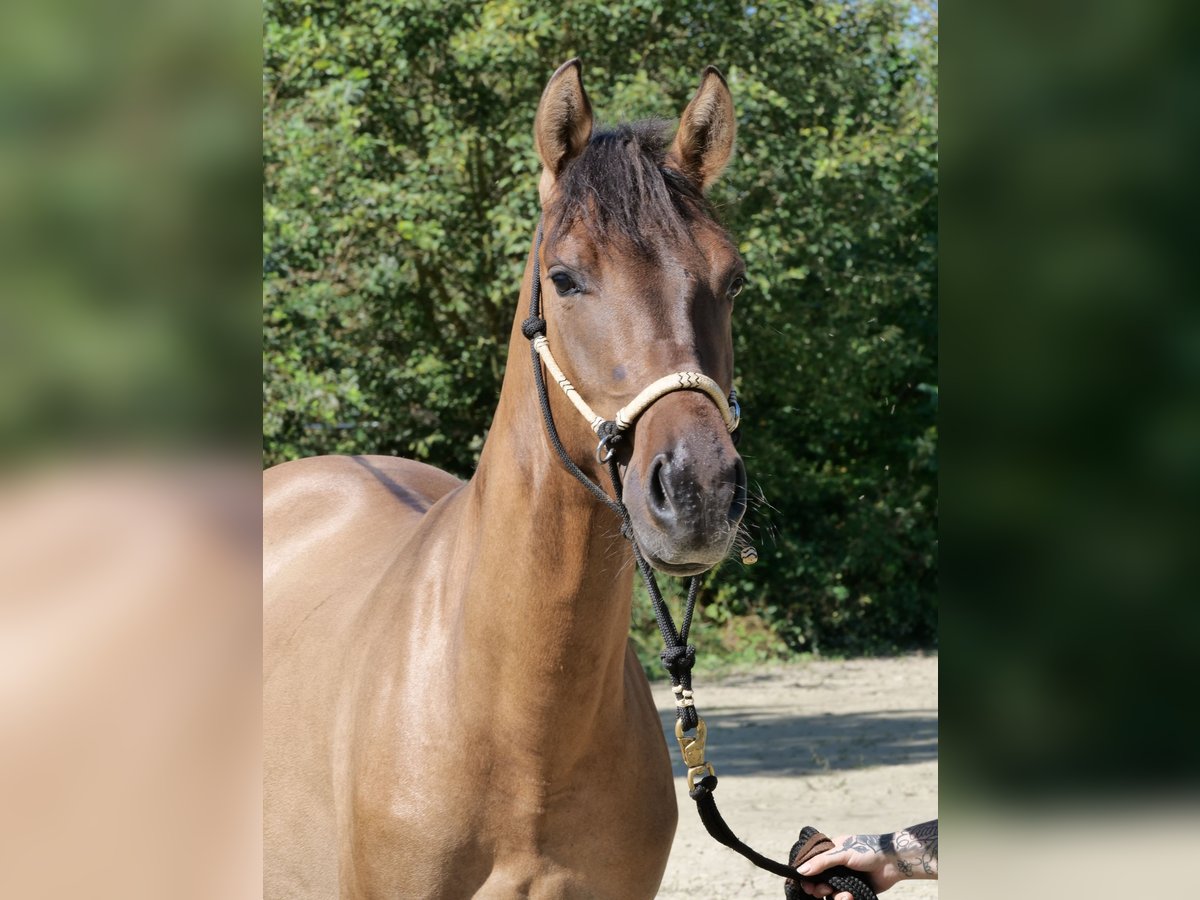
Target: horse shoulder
<point>334,518</point>
<point>333,529</point>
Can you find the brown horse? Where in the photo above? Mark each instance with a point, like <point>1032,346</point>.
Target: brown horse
<point>451,706</point>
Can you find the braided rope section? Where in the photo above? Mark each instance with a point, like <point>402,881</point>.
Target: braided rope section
<point>678,381</point>
<point>542,346</point>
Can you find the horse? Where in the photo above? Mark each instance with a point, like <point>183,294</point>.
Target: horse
<point>451,704</point>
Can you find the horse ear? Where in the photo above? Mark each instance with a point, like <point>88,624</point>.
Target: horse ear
<point>563,124</point>
<point>704,143</point>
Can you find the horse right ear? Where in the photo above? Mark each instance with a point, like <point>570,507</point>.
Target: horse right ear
<point>563,124</point>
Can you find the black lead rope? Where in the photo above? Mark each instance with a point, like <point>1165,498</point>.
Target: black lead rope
<point>678,656</point>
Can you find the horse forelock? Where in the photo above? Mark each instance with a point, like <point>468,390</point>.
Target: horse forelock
<point>621,189</point>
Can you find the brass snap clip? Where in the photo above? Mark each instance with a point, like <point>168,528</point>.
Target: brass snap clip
<point>692,748</point>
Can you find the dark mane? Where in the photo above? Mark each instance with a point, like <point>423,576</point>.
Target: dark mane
<point>619,188</point>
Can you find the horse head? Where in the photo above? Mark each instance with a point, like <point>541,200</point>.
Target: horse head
<point>639,282</point>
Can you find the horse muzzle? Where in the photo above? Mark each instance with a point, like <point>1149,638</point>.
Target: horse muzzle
<point>686,494</point>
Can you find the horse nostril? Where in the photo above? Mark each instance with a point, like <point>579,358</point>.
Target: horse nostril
<point>660,503</point>
<point>737,508</point>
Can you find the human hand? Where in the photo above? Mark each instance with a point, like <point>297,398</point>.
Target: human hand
<point>883,859</point>
<point>861,852</point>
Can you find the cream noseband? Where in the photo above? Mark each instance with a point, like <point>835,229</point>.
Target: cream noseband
<point>628,414</point>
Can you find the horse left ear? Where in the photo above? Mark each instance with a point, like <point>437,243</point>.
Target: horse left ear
<point>704,143</point>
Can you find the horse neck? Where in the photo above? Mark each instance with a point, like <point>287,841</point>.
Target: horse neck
<point>548,554</point>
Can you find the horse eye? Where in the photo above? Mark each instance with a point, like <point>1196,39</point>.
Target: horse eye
<point>735,287</point>
<point>564,284</point>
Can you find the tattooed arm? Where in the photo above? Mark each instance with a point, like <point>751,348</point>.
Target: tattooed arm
<point>884,858</point>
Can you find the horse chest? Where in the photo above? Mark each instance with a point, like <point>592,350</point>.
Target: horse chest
<point>453,814</point>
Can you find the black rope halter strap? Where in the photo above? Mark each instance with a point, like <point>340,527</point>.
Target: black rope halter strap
<point>678,656</point>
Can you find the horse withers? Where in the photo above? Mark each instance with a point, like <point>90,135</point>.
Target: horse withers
<point>451,706</point>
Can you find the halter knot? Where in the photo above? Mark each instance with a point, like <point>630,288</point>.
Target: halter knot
<point>532,327</point>
<point>678,660</point>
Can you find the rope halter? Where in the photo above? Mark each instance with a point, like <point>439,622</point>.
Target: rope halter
<point>611,430</point>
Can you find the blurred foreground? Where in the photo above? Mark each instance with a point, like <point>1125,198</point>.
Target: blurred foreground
<point>129,496</point>
<point>129,648</point>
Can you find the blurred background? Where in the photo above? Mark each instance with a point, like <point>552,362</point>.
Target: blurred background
<point>1071,458</point>
<point>1072,337</point>
<point>128,210</point>
<point>401,201</point>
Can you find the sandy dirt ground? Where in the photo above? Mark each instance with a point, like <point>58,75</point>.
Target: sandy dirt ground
<point>844,746</point>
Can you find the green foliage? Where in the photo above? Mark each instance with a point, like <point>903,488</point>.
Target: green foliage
<point>400,197</point>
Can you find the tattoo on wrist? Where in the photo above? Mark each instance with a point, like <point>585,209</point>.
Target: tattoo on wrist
<point>862,843</point>
<point>927,835</point>
<point>912,846</point>
<point>916,845</point>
